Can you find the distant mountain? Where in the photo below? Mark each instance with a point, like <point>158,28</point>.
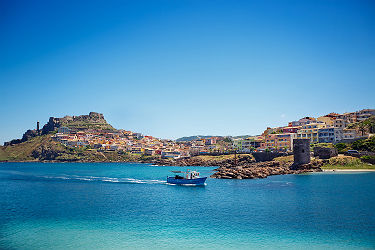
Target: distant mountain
<point>194,137</point>
<point>241,136</point>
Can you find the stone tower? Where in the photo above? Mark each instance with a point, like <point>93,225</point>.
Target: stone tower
<point>301,151</point>
<point>37,128</point>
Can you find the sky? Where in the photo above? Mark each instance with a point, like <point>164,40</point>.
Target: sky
<point>178,68</point>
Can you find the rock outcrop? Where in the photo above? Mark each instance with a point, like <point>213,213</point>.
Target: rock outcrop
<point>46,152</point>
<point>26,136</point>
<point>244,167</point>
<point>199,161</point>
<point>264,169</point>
<point>52,124</point>
<point>81,122</point>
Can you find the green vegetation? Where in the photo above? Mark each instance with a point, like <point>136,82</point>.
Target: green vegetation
<point>338,162</point>
<point>347,162</point>
<point>228,140</point>
<point>22,151</point>
<point>84,125</point>
<point>367,125</point>
<point>365,144</point>
<point>285,159</point>
<point>368,158</point>
<point>322,145</point>
<point>361,145</point>
<point>342,147</point>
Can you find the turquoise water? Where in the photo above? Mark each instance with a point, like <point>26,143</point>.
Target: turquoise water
<point>117,206</point>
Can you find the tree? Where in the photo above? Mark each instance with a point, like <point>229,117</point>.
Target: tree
<point>370,123</point>
<point>362,127</point>
<point>228,140</point>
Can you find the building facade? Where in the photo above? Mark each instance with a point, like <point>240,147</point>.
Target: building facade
<point>280,141</point>
<point>326,135</point>
<point>310,131</point>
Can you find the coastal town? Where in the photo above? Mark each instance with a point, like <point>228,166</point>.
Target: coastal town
<point>331,128</point>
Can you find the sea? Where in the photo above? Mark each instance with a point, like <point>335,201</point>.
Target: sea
<point>130,206</point>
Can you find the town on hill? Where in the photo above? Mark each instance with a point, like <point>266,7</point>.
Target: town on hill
<point>91,138</point>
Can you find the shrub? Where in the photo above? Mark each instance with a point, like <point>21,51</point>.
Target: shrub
<point>368,159</point>
<point>341,147</point>
<point>322,145</point>
<point>365,144</point>
<point>348,160</point>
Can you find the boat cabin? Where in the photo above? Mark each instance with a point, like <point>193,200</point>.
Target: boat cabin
<point>189,175</point>
<point>192,175</point>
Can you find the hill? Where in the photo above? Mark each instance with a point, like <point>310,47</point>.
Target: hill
<point>44,148</point>
<point>75,123</point>
<point>38,145</point>
<point>24,151</point>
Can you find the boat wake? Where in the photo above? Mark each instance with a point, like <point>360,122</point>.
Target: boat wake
<point>77,178</point>
<point>104,179</point>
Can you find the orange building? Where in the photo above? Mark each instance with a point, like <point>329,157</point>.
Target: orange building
<point>280,141</point>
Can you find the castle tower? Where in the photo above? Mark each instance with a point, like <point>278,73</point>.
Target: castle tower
<point>37,128</point>
<point>301,151</point>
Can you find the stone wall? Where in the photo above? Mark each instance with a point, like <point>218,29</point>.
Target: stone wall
<point>325,153</point>
<point>267,156</point>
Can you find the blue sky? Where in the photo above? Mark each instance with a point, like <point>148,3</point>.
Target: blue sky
<point>178,68</point>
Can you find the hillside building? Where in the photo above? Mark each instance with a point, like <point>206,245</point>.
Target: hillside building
<point>310,131</point>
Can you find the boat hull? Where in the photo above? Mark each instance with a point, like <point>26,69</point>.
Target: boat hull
<point>196,182</point>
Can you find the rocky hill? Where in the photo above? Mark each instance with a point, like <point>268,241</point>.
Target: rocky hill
<point>43,148</point>
<point>82,122</point>
<point>78,123</point>
<point>38,145</point>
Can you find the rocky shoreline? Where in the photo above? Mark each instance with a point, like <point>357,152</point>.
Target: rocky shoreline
<point>207,162</point>
<point>245,167</point>
<point>265,169</point>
